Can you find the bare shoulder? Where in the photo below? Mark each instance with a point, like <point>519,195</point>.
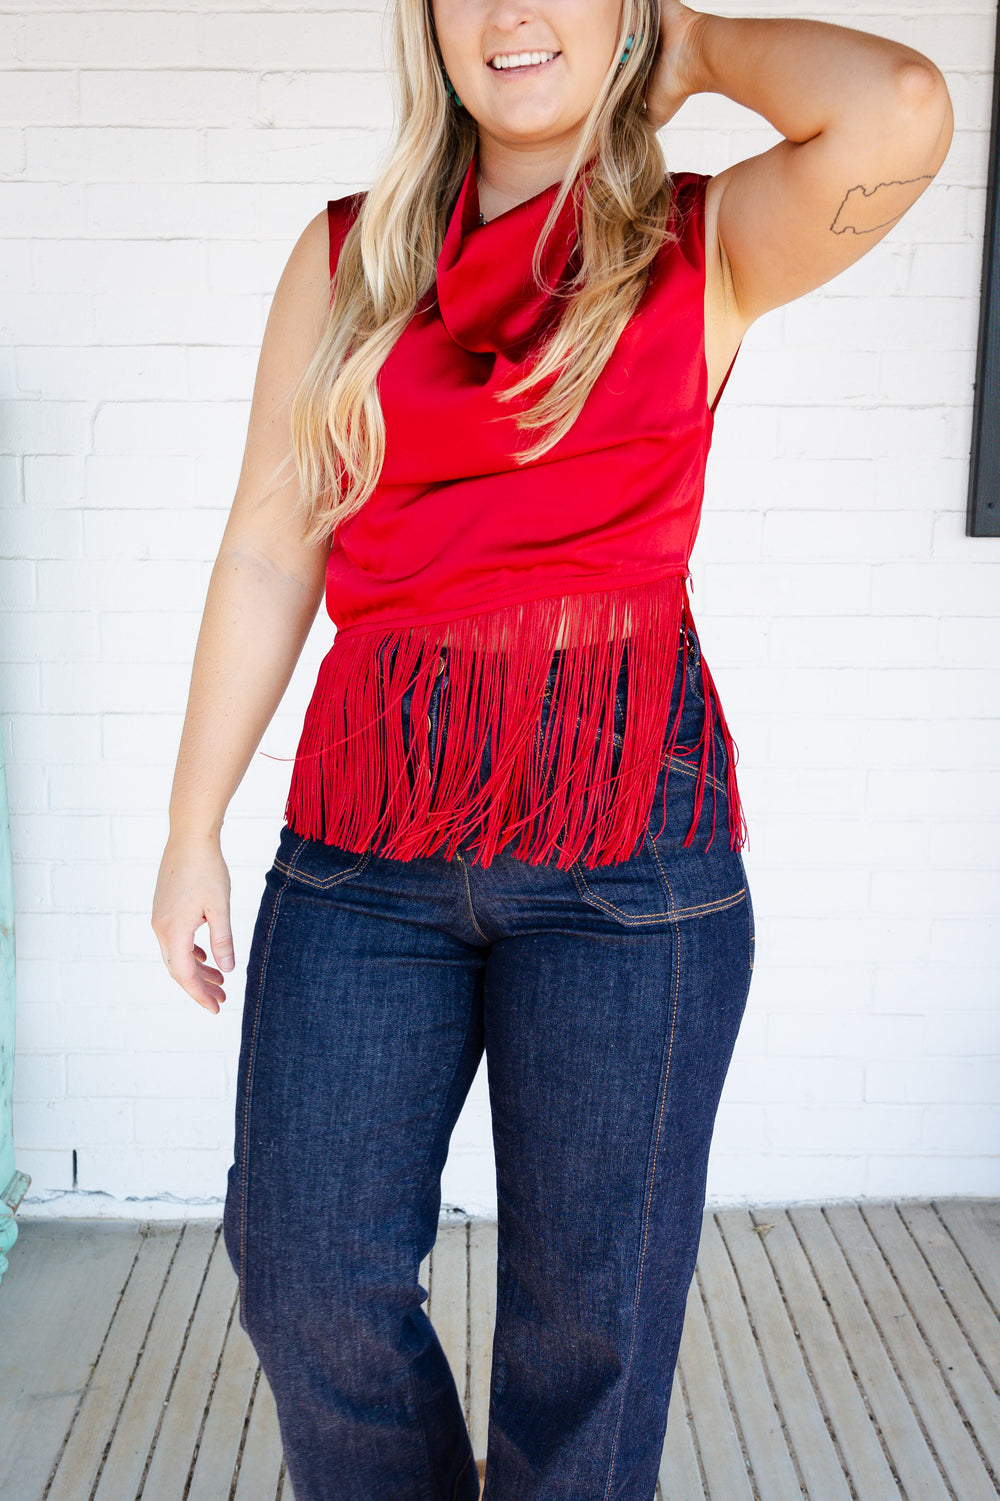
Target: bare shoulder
<point>264,514</point>
<point>296,320</point>
<point>303,291</point>
<point>298,313</point>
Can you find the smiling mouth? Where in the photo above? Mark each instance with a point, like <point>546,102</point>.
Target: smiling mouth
<point>521,62</point>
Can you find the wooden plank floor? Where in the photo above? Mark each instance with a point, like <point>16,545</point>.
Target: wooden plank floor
<point>845,1353</point>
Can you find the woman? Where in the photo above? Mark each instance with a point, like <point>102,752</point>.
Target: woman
<point>513,822</point>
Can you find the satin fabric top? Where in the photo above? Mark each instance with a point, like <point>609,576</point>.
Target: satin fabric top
<point>464,566</point>
<point>455,525</point>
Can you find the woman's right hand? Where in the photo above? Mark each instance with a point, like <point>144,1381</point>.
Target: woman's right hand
<point>672,79</point>
<point>193,888</point>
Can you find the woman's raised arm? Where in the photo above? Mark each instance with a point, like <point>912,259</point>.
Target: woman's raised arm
<point>867,124</point>
<point>262,598</point>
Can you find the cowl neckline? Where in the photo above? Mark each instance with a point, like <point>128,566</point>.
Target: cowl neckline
<point>487,297</point>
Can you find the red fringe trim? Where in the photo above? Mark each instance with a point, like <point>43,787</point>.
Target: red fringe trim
<point>354,785</point>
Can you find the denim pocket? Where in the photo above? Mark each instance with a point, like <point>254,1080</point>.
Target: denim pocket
<point>317,865</point>
<point>663,882</point>
<point>629,892</point>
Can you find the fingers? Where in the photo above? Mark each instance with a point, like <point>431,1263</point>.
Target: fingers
<point>204,970</point>
<point>197,979</point>
<point>221,939</point>
<point>193,889</point>
<point>206,982</point>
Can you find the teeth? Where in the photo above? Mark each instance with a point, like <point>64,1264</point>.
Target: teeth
<point>521,59</point>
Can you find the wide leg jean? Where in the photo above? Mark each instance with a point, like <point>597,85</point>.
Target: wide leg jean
<point>608,1003</point>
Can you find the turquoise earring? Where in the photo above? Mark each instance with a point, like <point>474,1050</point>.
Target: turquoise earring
<point>450,89</point>
<point>628,49</point>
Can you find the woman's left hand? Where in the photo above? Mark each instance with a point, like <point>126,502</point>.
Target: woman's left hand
<point>672,78</point>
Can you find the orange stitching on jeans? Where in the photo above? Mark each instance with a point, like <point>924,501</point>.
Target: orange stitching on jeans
<point>324,882</point>
<point>663,876</point>
<point>458,1477</point>
<point>594,899</point>
<point>649,1201</point>
<point>672,914</point>
<point>692,771</point>
<point>701,908</point>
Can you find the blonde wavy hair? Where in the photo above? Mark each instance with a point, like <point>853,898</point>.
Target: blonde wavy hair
<point>389,256</point>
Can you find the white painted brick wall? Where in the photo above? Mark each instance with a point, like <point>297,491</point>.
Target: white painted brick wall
<point>158,159</point>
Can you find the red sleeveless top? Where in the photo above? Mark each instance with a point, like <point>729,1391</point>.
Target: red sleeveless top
<point>459,547</point>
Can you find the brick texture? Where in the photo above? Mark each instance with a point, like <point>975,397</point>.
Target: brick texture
<point>158,162</point>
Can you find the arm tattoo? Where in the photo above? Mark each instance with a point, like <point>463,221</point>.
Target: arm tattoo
<point>862,213</point>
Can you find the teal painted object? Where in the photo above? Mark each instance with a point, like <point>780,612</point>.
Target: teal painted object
<point>15,1183</point>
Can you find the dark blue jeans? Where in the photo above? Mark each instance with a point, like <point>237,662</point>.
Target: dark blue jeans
<point>608,1003</point>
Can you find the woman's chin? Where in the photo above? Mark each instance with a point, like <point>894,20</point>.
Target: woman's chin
<point>529,125</point>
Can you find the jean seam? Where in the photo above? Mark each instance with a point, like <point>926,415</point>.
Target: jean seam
<point>654,852</point>
<point>414,1248</point>
<point>687,770</point>
<point>472,912</point>
<point>247,1090</point>
<point>751,933</point>
<point>321,882</point>
<point>700,909</point>
<point>673,914</point>
<point>646,1211</point>
<point>454,1489</point>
